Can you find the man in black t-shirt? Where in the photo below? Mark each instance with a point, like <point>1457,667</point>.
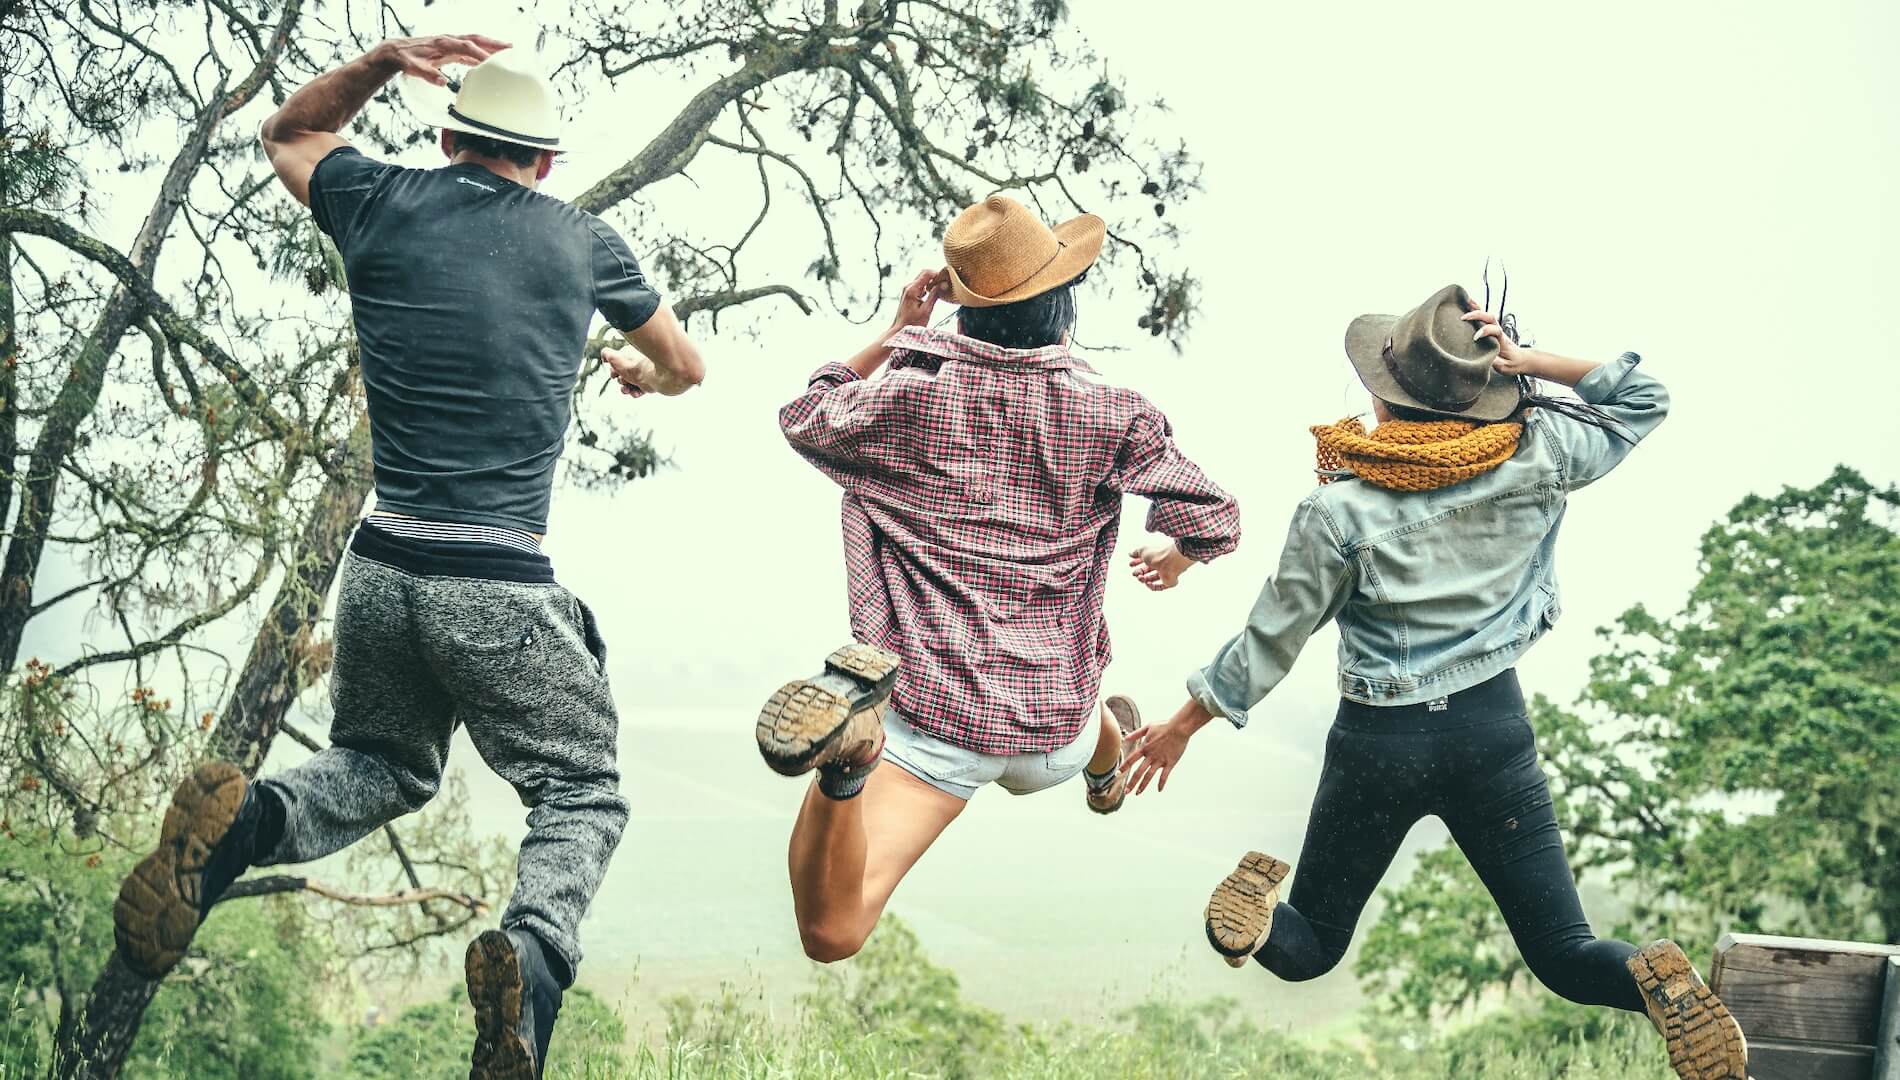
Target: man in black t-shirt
<point>472,295</point>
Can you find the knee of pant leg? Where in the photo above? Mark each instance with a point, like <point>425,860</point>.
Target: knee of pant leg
<point>1313,969</point>
<point>828,942</point>
<point>1557,963</point>
<point>604,806</point>
<point>1304,965</point>
<point>417,791</point>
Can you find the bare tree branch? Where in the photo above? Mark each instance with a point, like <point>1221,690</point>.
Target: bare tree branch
<point>273,884</point>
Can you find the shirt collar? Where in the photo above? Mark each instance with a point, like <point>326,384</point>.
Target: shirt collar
<point>948,345</point>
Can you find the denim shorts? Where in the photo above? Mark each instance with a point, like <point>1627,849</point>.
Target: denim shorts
<point>959,772</point>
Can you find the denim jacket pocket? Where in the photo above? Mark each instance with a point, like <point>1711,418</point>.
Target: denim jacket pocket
<point>1553,608</point>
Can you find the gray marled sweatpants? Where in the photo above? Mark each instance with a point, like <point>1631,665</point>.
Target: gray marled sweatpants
<point>522,667</point>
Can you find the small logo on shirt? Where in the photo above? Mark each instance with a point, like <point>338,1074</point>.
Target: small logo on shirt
<point>471,183</point>
<point>1442,704</point>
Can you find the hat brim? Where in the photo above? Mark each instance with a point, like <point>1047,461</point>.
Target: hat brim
<point>1081,239</point>
<point>429,104</point>
<point>1365,347</point>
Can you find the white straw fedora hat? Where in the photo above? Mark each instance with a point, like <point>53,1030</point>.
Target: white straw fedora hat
<point>503,97</point>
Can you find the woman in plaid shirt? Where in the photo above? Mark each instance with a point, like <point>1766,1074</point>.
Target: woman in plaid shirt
<point>983,478</point>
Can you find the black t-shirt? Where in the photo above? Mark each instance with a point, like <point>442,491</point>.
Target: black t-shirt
<point>472,297</point>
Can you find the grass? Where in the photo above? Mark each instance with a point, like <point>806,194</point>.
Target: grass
<point>892,1013</point>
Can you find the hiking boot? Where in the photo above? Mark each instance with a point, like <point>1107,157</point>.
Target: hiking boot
<point>831,717</point>
<point>1704,1041</point>
<point>1240,913</point>
<point>516,998</point>
<point>207,840</point>
<point>1109,799</point>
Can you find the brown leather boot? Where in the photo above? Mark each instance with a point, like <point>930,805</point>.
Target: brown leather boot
<point>1704,1041</point>
<point>1128,719</point>
<point>832,716</point>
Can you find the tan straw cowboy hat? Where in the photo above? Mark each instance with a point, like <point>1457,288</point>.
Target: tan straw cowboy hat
<point>1426,359</point>
<point>999,252</point>
<point>502,97</point>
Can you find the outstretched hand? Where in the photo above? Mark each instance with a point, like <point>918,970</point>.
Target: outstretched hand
<point>424,57</point>
<point>1157,748</point>
<point>1158,566</point>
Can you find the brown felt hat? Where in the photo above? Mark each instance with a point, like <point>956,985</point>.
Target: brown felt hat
<point>1426,359</point>
<point>999,252</point>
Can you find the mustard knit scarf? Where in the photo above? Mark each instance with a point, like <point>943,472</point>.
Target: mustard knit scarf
<point>1410,455</point>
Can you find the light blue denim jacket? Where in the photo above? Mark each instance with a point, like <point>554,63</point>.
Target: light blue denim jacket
<point>1433,591</point>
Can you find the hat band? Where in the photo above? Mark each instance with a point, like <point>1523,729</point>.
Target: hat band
<point>511,136</point>
<point>1398,373</point>
<point>1061,246</point>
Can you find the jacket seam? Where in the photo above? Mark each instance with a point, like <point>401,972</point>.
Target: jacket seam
<point>1409,527</point>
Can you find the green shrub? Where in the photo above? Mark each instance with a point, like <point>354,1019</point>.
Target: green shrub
<point>432,1042</point>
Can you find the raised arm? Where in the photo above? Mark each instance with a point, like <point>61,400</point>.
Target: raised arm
<point>304,129</point>
<point>1633,402</point>
<point>825,423</point>
<point>1313,581</point>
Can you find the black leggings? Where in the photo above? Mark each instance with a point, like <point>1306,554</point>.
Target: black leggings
<point>1471,759</point>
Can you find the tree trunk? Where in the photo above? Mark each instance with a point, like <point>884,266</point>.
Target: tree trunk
<point>79,394</point>
<point>114,1010</point>
<point>9,357</point>
<point>274,673</point>
<point>9,348</point>
<point>272,677</point>
<point>58,436</point>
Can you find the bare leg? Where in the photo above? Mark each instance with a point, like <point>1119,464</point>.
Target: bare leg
<point>847,856</point>
<point>1108,746</point>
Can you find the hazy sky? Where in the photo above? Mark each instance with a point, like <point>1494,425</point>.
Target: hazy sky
<point>1711,185</point>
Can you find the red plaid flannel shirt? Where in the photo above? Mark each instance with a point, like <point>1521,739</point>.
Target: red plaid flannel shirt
<point>982,494</point>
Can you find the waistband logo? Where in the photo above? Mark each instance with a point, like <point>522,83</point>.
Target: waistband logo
<point>1442,704</point>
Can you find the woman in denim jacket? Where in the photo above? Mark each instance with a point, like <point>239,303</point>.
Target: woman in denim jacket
<point>1430,543</point>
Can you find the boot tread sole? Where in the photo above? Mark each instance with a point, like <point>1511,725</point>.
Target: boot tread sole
<point>805,718</point>
<point>156,913</point>
<point>495,989</point>
<point>1704,1041</point>
<point>1240,913</point>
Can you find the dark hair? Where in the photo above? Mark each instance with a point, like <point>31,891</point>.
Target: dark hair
<point>1528,388</point>
<point>483,146</point>
<point>1406,412</point>
<point>1026,324</point>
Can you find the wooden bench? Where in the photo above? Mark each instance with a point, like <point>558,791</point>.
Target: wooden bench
<point>1813,1010</point>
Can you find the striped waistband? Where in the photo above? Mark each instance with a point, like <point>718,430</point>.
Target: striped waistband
<point>454,532</point>
<point>451,558</point>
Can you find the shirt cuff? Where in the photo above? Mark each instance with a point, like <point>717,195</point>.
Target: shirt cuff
<point>1206,549</point>
<point>1201,689</point>
<point>835,374</point>
<point>1600,385</point>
